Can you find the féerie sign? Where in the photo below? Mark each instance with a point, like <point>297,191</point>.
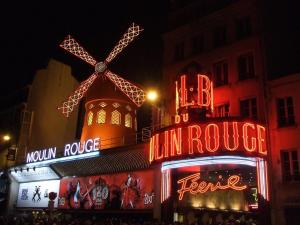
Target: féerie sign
<point>193,185</point>
<point>75,148</point>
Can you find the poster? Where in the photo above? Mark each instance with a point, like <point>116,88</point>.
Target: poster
<point>132,190</point>
<point>36,194</point>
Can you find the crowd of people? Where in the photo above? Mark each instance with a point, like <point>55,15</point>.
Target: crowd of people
<point>44,219</point>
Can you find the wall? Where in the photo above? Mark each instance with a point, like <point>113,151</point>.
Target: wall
<point>236,89</point>
<point>285,194</point>
<point>50,87</point>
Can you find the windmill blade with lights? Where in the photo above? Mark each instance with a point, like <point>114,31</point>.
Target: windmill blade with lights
<point>133,92</point>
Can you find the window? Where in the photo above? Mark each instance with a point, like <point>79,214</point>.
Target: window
<point>197,44</point>
<point>290,165</point>
<point>101,116</point>
<point>248,108</point>
<point>220,71</point>
<point>103,104</point>
<point>222,110</point>
<point>128,120</point>
<point>243,28</point>
<point>116,117</point>
<point>246,66</point>
<point>179,51</point>
<point>116,105</point>
<point>90,118</point>
<point>285,111</point>
<point>220,37</point>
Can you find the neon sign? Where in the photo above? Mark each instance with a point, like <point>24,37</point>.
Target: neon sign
<point>75,148</point>
<point>193,185</point>
<point>41,155</point>
<point>207,139</point>
<point>188,96</point>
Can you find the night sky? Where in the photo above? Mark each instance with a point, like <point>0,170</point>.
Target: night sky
<point>31,34</point>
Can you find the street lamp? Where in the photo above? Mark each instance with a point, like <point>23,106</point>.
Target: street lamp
<point>152,95</point>
<point>6,137</point>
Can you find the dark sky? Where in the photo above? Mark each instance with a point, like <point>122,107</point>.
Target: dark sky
<point>31,33</point>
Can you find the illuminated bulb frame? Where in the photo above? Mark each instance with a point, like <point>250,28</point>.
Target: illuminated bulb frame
<point>259,163</point>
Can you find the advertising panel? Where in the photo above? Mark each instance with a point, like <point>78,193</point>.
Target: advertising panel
<point>36,194</point>
<point>132,190</point>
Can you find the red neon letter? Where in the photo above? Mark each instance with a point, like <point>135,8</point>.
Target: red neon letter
<point>157,150</point>
<point>215,137</point>
<point>211,97</point>
<point>176,98</point>
<point>183,90</point>
<point>235,136</point>
<point>177,119</point>
<point>176,142</point>
<point>166,144</point>
<point>184,188</point>
<point>151,152</point>
<point>261,132</point>
<point>185,117</point>
<point>203,89</point>
<point>245,138</point>
<point>192,139</point>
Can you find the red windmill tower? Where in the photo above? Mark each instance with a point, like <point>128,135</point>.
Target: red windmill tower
<point>111,101</point>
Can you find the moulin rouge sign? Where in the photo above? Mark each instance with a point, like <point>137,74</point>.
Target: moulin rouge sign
<point>72,149</point>
<point>204,138</point>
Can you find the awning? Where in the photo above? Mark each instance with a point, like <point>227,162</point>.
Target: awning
<point>114,160</point>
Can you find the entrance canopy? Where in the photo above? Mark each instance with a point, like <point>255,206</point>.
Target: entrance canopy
<point>104,162</point>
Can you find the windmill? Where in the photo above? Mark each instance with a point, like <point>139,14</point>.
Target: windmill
<point>114,107</point>
<point>134,93</point>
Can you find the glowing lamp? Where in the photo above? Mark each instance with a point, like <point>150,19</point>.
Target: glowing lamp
<point>6,137</point>
<point>152,95</point>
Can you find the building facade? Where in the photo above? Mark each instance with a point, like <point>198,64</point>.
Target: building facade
<point>225,145</point>
<point>284,144</point>
<point>227,41</point>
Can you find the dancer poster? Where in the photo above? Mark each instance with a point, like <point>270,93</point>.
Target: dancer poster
<point>132,190</point>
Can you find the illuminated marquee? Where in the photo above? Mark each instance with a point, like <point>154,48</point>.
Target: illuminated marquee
<point>208,138</point>
<point>193,185</point>
<point>75,148</point>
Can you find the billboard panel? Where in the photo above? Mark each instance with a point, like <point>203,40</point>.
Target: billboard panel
<point>132,190</point>
<point>36,194</point>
